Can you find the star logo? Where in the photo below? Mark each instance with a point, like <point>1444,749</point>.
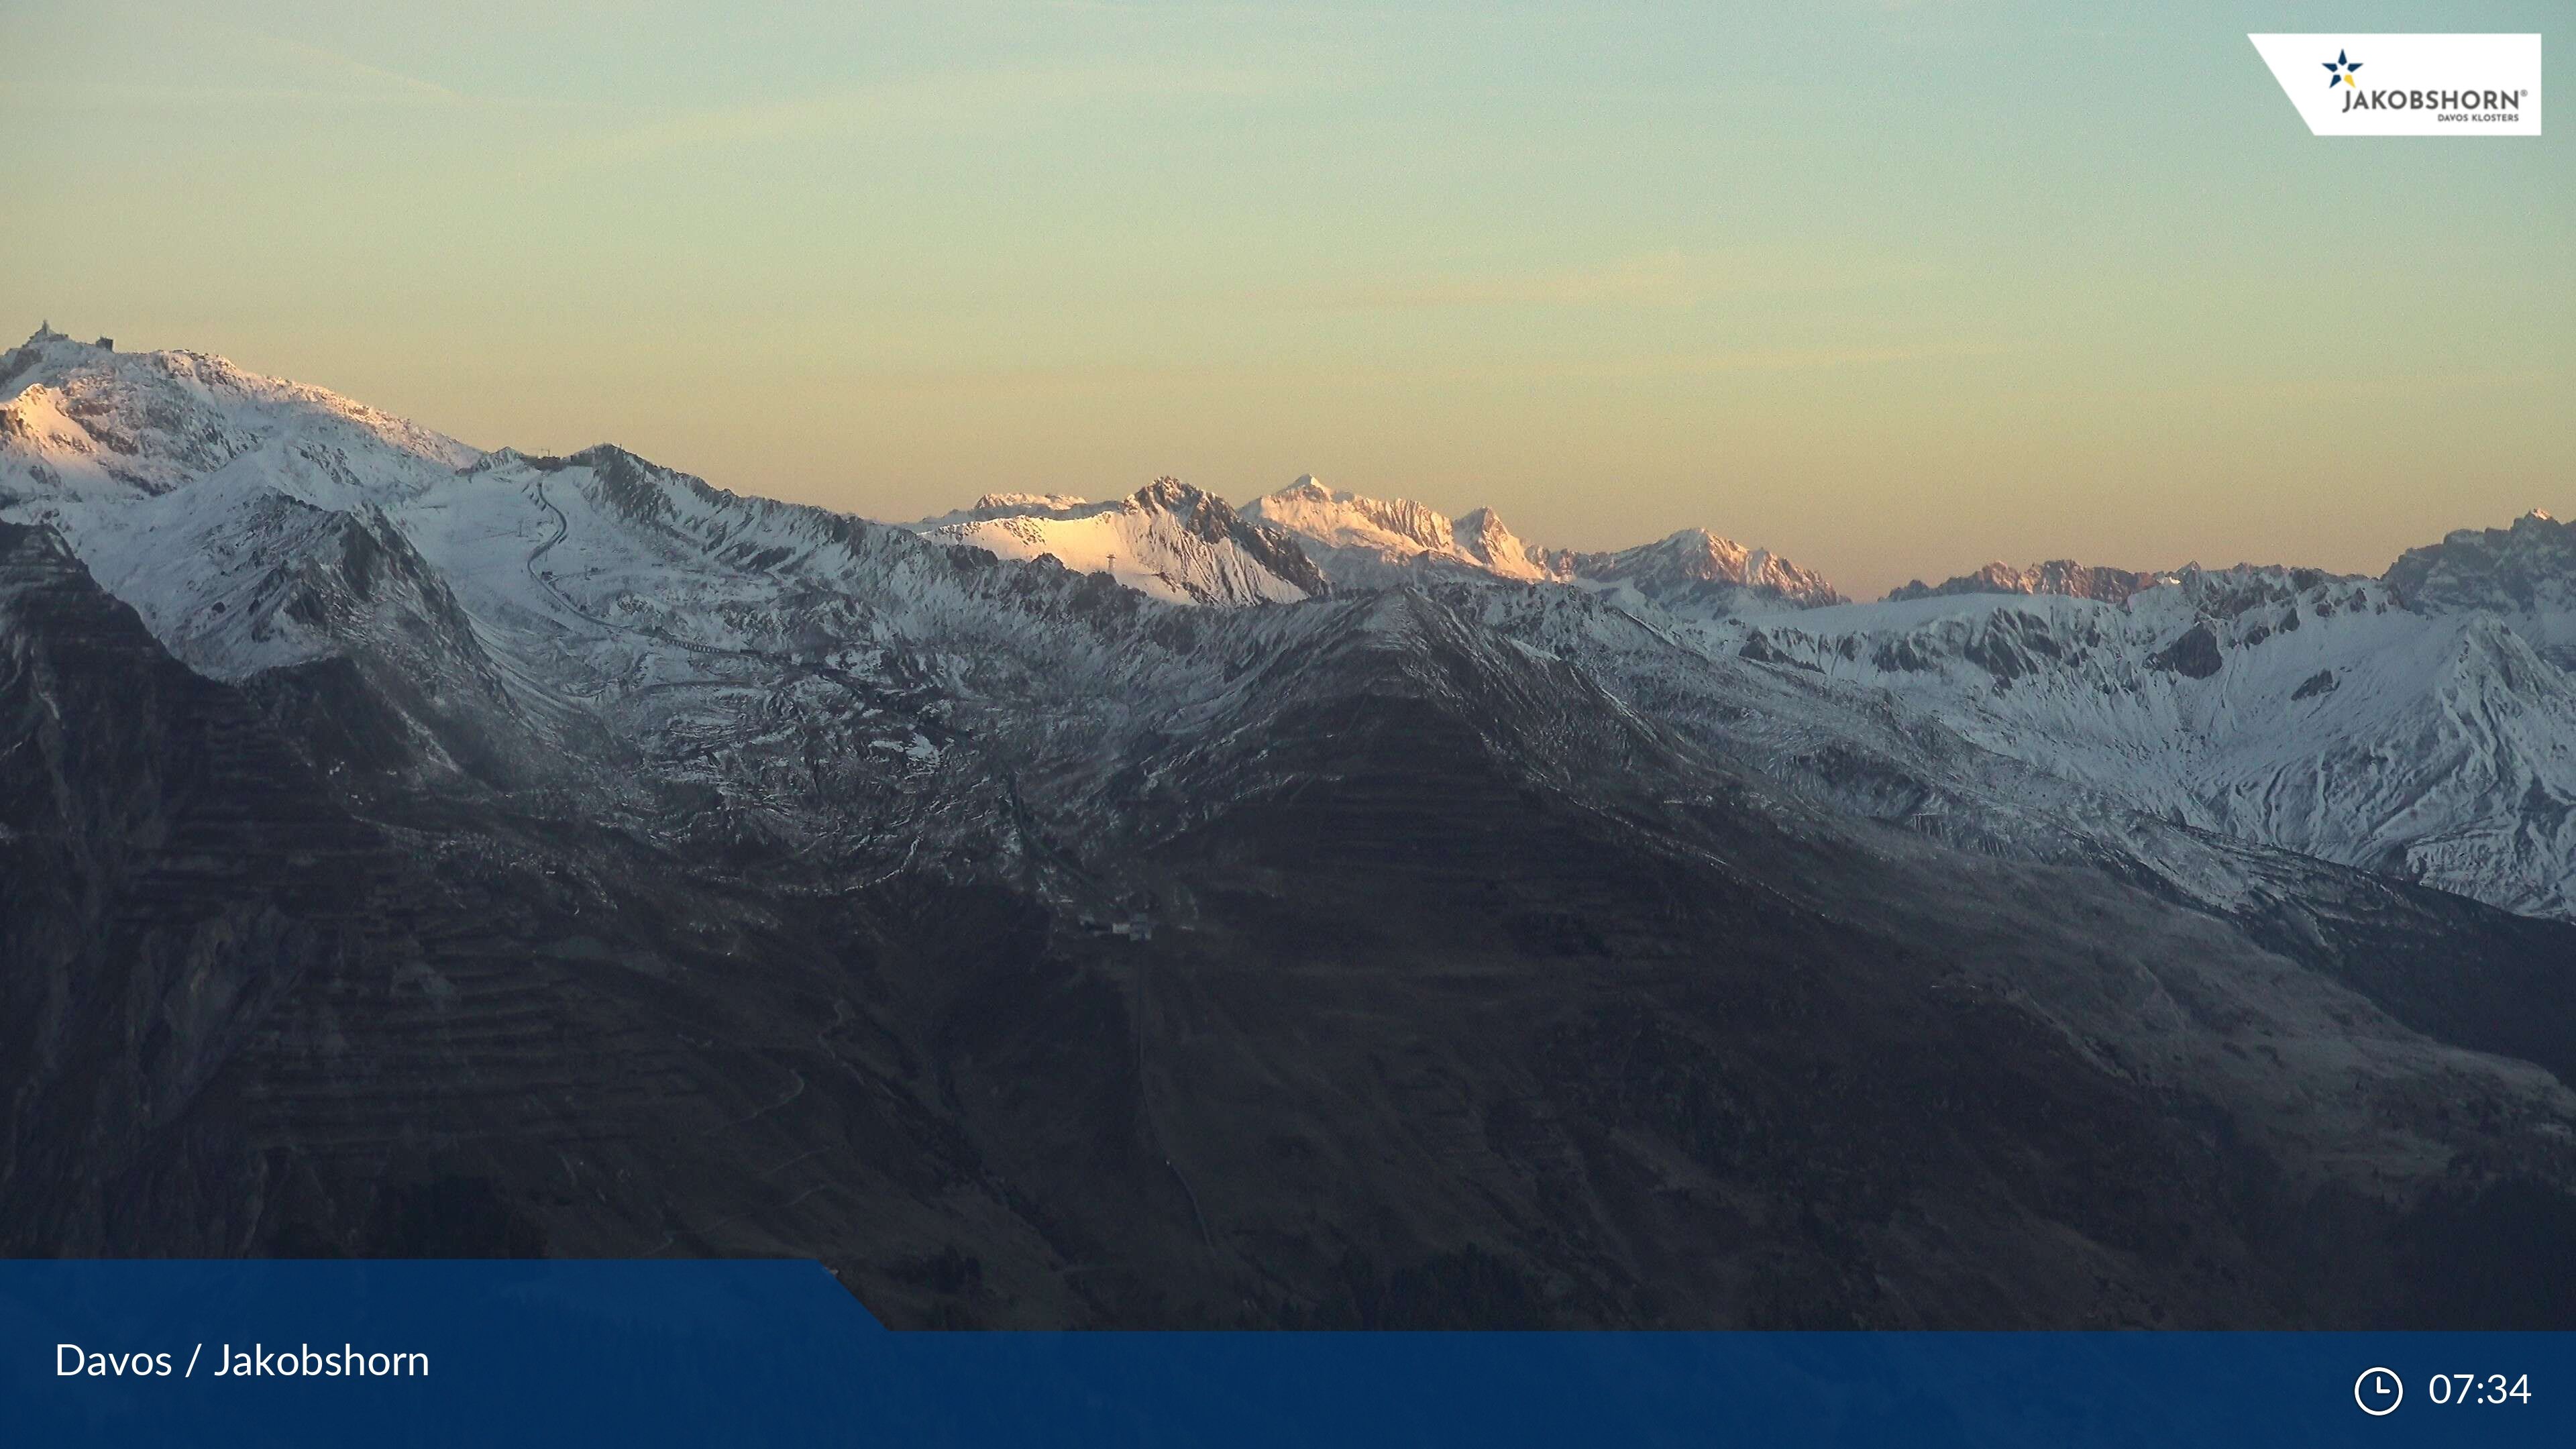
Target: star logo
<point>2339,72</point>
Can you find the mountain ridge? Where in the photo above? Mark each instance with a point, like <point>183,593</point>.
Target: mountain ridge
<point>1368,542</point>
<point>2055,576</point>
<point>2497,778</point>
<point>1039,949</point>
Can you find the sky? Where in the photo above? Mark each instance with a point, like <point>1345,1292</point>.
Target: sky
<point>1892,289</point>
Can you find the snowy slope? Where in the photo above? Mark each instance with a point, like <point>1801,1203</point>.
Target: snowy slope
<point>1373,543</point>
<point>606,642</point>
<point>1695,573</point>
<point>2280,706</point>
<point>633,635</point>
<point>1376,543</point>
<point>623,638</point>
<point>78,420</point>
<point>1167,540</point>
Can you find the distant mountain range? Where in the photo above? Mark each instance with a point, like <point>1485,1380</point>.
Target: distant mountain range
<point>1327,912</point>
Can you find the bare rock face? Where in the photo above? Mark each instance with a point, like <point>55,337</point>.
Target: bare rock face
<point>2525,573</point>
<point>2194,655</point>
<point>2530,565</point>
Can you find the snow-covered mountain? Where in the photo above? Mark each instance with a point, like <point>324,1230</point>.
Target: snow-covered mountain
<point>2416,726</point>
<point>1168,539</point>
<point>2288,707</point>
<point>1374,543</point>
<point>80,420</point>
<point>1366,542</point>
<point>500,622</point>
<point>2525,574</point>
<point>1697,573</point>
<point>2057,576</point>
<point>1063,912</point>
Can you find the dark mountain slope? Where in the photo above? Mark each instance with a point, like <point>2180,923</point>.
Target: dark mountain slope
<point>1492,1003</point>
<point>1448,990</point>
<point>242,1020</point>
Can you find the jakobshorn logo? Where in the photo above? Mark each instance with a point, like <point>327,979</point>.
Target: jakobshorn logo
<point>2419,85</point>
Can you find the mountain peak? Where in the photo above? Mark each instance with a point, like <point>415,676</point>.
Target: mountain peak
<point>2525,568</point>
<point>1700,571</point>
<point>2062,576</point>
<point>1008,502</point>
<point>1170,492</point>
<point>1371,543</point>
<point>1169,539</point>
<point>80,419</point>
<point>1393,531</point>
<point>46,336</point>
<point>1481,535</point>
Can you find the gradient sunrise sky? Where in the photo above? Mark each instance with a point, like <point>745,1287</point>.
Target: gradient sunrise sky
<point>1892,289</point>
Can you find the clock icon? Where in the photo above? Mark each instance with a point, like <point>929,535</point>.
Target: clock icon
<point>2378,1391</point>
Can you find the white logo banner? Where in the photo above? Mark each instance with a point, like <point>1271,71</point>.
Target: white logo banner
<point>2409,85</point>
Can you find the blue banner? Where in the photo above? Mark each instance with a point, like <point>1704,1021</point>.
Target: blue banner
<point>769,1352</point>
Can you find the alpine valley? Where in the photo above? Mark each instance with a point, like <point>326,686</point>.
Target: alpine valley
<point>1320,913</point>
